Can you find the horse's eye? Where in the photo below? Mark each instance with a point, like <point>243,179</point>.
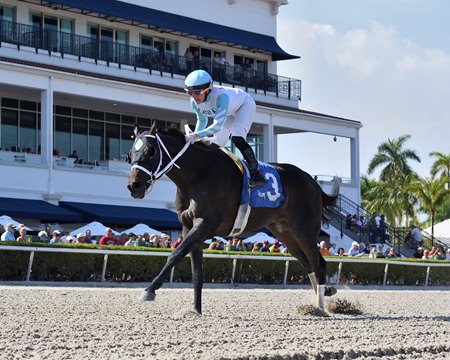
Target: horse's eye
<point>149,151</point>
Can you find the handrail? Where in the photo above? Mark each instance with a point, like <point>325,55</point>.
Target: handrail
<point>154,61</point>
<point>234,257</point>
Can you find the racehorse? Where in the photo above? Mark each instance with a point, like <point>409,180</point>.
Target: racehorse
<point>209,185</point>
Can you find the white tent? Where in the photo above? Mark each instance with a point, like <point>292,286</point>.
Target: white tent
<point>140,229</point>
<point>97,229</point>
<point>441,231</point>
<point>5,220</point>
<point>259,238</point>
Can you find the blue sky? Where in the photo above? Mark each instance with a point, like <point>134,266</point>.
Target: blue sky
<point>385,63</point>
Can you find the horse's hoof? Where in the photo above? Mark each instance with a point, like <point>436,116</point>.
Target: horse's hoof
<point>330,291</point>
<point>148,296</point>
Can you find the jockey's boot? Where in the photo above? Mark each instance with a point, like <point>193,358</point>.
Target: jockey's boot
<point>256,178</point>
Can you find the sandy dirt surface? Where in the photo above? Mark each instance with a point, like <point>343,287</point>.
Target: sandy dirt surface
<point>100,322</point>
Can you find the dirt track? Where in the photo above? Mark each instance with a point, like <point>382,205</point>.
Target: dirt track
<point>48,322</point>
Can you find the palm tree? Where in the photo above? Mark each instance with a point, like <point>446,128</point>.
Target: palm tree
<point>430,193</point>
<point>395,157</point>
<point>442,165</point>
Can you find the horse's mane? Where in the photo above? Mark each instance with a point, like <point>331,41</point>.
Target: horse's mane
<point>176,132</point>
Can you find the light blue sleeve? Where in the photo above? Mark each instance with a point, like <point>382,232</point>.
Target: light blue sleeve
<point>221,114</point>
<point>202,120</point>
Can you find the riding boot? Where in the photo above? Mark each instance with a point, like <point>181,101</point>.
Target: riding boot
<point>256,178</point>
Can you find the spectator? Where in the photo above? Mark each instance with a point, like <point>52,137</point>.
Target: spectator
<point>80,238</point>
<point>196,60</point>
<point>265,246</point>
<point>70,239</point>
<point>332,249</point>
<point>341,252</point>
<point>221,246</point>
<point>230,245</point>
<point>275,248</point>
<point>189,59</point>
<point>439,254</point>
<point>391,253</point>
<point>425,255</point>
<point>166,241</point>
<point>122,239</point>
<point>255,247</point>
<point>2,229</point>
<point>74,155</point>
<point>141,241</point>
<point>214,244</point>
<point>22,234</point>
<point>380,252</point>
<point>323,248</point>
<point>131,240</point>
<point>88,237</point>
<point>419,253</point>
<point>9,234</point>
<point>431,252</point>
<point>178,241</point>
<point>354,249</point>
<point>365,248</point>
<point>107,239</point>
<point>240,246</point>
<point>416,237</point>
<point>56,237</point>
<point>382,229</point>
<point>43,236</point>
<point>447,255</point>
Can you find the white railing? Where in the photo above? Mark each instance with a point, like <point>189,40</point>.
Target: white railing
<point>235,258</point>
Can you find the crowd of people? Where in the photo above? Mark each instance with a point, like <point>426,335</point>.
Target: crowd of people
<point>11,232</point>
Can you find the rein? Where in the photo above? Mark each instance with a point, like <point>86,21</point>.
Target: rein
<point>158,173</point>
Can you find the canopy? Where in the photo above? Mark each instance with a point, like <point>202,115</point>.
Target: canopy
<point>441,231</point>
<point>259,238</point>
<point>97,229</point>
<point>140,229</point>
<point>5,220</point>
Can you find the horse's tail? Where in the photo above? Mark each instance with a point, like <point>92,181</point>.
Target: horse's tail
<point>329,201</point>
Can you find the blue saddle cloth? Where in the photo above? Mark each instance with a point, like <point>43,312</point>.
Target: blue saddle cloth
<point>269,195</point>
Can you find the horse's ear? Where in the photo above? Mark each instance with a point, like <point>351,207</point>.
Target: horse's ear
<point>136,130</point>
<point>153,127</point>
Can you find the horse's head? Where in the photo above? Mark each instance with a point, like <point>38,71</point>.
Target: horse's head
<point>145,159</point>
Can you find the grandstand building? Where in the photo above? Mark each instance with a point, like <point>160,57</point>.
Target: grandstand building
<point>77,74</point>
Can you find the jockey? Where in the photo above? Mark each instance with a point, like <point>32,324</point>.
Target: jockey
<point>232,111</point>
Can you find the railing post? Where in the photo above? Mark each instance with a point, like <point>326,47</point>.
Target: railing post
<point>30,265</point>
<point>289,89</point>
<point>233,270</point>
<point>286,270</point>
<point>339,273</point>
<point>172,272</point>
<point>427,276</point>
<point>386,268</point>
<point>105,262</point>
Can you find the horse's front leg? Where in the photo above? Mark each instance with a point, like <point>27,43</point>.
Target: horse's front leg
<point>199,233</point>
<point>197,275</point>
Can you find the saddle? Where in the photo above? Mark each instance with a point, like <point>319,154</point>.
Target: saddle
<point>269,195</point>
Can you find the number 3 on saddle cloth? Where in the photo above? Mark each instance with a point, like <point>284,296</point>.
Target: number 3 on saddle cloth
<point>269,195</point>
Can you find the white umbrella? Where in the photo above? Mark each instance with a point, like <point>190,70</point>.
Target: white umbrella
<point>5,220</point>
<point>259,238</point>
<point>140,229</point>
<point>97,229</point>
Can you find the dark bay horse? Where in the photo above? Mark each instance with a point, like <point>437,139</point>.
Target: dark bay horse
<point>208,195</point>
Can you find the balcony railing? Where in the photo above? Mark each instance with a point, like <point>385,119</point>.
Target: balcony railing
<point>154,61</point>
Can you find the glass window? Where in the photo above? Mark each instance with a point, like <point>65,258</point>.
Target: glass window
<point>7,13</point>
<point>113,117</point>
<point>171,47</point>
<point>128,119</point>
<point>11,103</point>
<point>96,115</point>
<point>62,135</point>
<point>80,138</point>
<point>126,139</point>
<point>96,146</point>
<point>146,42</point>
<point>27,133</point>
<point>82,113</point>
<point>9,126</point>
<point>112,143</point>
<point>63,110</point>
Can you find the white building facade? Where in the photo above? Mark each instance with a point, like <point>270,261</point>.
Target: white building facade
<point>77,75</point>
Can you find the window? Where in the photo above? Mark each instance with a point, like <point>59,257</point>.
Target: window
<point>52,33</point>
<point>7,13</point>
<point>108,43</point>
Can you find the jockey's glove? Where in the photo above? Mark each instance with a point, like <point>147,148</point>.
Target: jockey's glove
<point>192,137</point>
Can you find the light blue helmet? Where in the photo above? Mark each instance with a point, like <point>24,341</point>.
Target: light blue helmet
<point>198,80</point>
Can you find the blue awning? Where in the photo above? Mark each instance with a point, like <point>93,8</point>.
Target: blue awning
<point>37,209</point>
<point>132,14</point>
<point>125,215</point>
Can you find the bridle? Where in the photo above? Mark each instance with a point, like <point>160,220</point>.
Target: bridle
<point>158,173</point>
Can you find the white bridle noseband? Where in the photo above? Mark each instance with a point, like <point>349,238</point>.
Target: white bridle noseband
<point>158,173</point>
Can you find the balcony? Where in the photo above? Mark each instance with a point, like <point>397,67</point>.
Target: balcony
<point>59,43</point>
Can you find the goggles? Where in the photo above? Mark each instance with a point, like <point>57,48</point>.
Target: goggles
<point>195,91</point>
